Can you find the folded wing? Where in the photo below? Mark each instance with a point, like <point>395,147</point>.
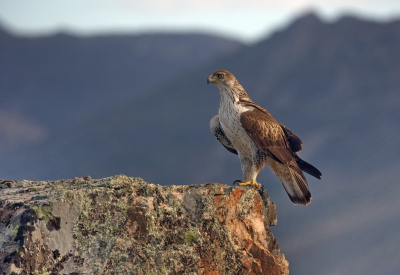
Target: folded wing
<point>270,138</point>
<point>295,145</point>
<point>217,131</point>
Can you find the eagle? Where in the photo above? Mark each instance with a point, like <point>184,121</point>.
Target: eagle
<point>250,131</point>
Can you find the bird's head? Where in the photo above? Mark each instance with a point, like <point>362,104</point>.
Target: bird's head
<point>222,78</point>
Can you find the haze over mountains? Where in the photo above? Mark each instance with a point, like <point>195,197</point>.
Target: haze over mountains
<point>140,106</point>
<point>58,81</point>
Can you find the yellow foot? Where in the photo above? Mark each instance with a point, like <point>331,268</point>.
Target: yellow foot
<point>250,182</point>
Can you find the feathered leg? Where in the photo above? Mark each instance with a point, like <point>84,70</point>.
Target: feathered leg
<point>250,171</point>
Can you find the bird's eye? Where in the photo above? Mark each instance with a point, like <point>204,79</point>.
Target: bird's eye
<point>220,76</point>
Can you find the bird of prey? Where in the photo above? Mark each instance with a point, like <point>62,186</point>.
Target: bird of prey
<point>248,130</point>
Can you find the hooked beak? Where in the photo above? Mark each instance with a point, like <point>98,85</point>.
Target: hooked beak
<point>210,79</point>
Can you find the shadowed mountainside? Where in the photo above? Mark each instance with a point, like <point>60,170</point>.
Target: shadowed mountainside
<point>57,81</point>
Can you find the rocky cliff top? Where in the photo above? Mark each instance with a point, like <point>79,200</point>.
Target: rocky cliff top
<point>122,225</point>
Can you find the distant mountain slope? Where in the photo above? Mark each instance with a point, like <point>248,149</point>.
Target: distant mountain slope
<point>47,77</point>
<point>55,81</point>
<point>335,85</point>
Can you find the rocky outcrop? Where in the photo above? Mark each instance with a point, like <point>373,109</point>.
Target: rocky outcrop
<point>122,225</point>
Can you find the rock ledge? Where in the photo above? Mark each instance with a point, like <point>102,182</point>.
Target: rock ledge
<point>122,225</point>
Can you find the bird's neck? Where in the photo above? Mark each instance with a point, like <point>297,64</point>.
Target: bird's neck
<point>233,95</point>
<point>227,95</point>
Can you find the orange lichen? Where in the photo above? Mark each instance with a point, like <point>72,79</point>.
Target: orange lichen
<point>258,205</point>
<point>208,268</point>
<point>236,194</point>
<point>230,201</point>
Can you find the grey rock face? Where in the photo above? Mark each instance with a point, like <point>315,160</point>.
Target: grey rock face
<point>122,225</point>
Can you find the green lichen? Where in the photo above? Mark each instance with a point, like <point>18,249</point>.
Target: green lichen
<point>190,236</point>
<point>100,226</point>
<point>44,212</point>
<point>21,250</point>
<point>248,198</point>
<point>15,232</point>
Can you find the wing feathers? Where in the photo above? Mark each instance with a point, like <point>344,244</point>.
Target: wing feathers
<point>295,145</point>
<point>280,144</point>
<point>217,131</point>
<point>308,168</point>
<point>269,137</point>
<point>294,141</point>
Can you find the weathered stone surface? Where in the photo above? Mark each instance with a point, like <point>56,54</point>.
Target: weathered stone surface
<point>122,225</point>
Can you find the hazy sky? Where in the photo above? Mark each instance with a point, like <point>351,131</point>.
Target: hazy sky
<point>247,20</point>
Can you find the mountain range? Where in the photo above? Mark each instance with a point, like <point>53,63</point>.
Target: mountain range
<point>140,106</point>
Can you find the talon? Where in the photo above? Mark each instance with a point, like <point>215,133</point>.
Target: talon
<point>236,182</point>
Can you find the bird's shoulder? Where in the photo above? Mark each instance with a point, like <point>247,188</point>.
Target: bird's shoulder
<point>260,122</point>
<point>268,135</point>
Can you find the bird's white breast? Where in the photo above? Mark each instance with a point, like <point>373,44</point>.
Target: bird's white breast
<point>229,116</point>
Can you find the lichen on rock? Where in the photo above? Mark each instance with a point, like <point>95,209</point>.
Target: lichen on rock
<point>122,225</point>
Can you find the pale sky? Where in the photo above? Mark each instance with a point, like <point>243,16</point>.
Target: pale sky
<point>249,20</point>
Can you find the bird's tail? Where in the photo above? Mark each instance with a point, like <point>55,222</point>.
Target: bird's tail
<point>297,188</point>
<point>308,168</point>
<point>294,183</point>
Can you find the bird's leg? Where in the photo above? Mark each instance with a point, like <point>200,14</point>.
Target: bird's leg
<point>249,172</point>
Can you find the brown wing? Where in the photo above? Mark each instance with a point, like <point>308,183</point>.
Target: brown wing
<point>294,141</point>
<point>269,137</point>
<point>295,145</point>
